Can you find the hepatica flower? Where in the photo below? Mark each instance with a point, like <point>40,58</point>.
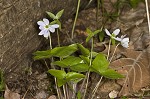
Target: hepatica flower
<point>114,34</point>
<point>124,41</point>
<point>46,28</point>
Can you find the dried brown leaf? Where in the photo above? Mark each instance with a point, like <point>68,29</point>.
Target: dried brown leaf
<point>52,97</point>
<point>11,95</point>
<point>136,70</point>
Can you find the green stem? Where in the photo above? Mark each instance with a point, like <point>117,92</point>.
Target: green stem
<point>64,87</point>
<point>58,38</point>
<point>88,73</point>
<point>77,11</point>
<point>57,88</point>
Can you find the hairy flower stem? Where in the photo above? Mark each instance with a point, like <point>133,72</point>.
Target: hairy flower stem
<point>57,88</point>
<point>88,73</point>
<point>108,49</point>
<point>96,87</point>
<point>64,87</point>
<point>77,11</point>
<point>114,53</point>
<point>147,11</point>
<point>58,38</point>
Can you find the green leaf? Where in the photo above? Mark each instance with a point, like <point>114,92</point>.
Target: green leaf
<point>90,34</point>
<point>96,32</point>
<point>69,61</point>
<point>85,59</point>
<point>51,15</point>
<point>77,80</point>
<point>89,38</point>
<point>53,22</point>
<point>61,82</point>
<point>100,63</point>
<point>1,98</point>
<point>111,74</point>
<point>64,51</point>
<point>2,83</point>
<point>134,3</point>
<point>84,51</point>
<point>101,36</point>
<point>79,95</point>
<point>94,54</point>
<point>60,74</point>
<point>42,54</point>
<point>82,67</point>
<point>59,14</point>
<point>113,41</point>
<point>73,76</point>
<point>59,23</point>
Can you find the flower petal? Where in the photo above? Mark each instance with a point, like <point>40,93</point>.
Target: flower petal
<point>125,39</point>
<point>46,34</point>
<point>125,42</point>
<point>107,32</point>
<point>46,21</point>
<point>42,32</point>
<point>116,32</point>
<point>41,27</point>
<point>55,26</point>
<point>126,45</point>
<point>51,29</point>
<point>41,23</point>
<point>118,39</point>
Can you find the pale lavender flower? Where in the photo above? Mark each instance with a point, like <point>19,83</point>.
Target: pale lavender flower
<point>46,28</point>
<point>114,34</point>
<point>124,41</point>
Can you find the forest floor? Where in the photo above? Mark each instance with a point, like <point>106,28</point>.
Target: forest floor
<point>36,84</point>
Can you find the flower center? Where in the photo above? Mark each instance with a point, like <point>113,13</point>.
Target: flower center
<point>47,26</point>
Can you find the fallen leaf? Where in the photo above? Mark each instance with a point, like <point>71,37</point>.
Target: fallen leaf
<point>136,70</point>
<point>52,97</point>
<point>11,95</point>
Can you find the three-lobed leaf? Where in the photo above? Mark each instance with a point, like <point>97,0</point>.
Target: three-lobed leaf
<point>81,67</point>
<point>60,74</point>
<point>111,74</point>
<point>91,34</point>
<point>100,63</point>
<point>84,51</point>
<point>42,54</point>
<point>73,76</point>
<point>61,52</point>
<point>69,61</point>
<point>64,51</point>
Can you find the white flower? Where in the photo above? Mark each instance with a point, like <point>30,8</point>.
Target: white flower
<point>114,34</point>
<point>124,41</point>
<point>46,28</point>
